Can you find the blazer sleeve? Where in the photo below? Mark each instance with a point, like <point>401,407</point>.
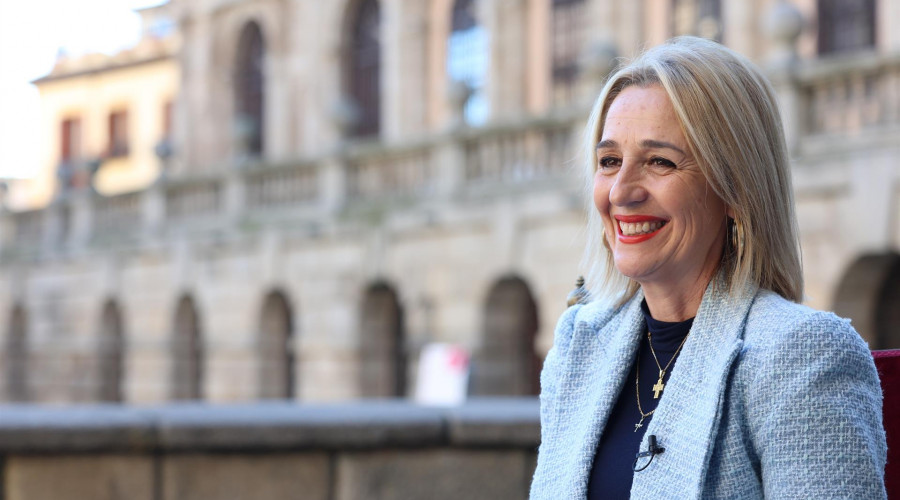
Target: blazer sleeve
<point>550,374</point>
<point>815,413</point>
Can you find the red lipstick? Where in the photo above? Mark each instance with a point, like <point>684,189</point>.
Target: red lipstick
<point>636,219</point>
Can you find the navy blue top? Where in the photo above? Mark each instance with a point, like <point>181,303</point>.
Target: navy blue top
<point>612,473</point>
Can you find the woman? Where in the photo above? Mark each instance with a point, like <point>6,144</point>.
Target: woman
<point>695,351</point>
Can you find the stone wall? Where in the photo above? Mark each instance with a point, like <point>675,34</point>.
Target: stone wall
<point>367,450</point>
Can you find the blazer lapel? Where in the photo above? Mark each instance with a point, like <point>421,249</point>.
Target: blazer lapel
<point>601,355</point>
<point>687,418</point>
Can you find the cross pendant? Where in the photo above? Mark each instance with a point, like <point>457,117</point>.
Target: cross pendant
<point>658,388</point>
<point>639,424</point>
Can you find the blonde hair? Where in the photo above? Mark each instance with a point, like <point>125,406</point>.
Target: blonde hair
<point>728,113</point>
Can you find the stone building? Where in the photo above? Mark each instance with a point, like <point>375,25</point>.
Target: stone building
<point>350,180</point>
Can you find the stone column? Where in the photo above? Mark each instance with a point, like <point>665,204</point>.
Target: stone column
<point>784,24</point>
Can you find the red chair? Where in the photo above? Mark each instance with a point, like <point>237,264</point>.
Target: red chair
<point>888,365</point>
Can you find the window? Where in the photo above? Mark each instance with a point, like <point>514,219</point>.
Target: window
<point>167,120</point>
<point>846,25</point>
<point>566,42</point>
<point>698,17</point>
<point>365,68</point>
<point>250,84</point>
<point>118,134</point>
<point>467,59</point>
<point>70,140</point>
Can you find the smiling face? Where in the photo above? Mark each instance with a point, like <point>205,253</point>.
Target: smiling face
<point>664,224</point>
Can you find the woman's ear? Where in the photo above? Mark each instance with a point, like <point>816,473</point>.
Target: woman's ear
<point>729,212</point>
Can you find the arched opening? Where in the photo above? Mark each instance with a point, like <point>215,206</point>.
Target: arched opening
<point>468,59</point>
<point>276,353</point>
<point>363,73</point>
<point>187,352</point>
<point>845,25</point>
<point>249,91</point>
<point>17,356</point>
<point>869,294</point>
<point>505,364</point>
<point>382,344</point>
<point>110,354</point>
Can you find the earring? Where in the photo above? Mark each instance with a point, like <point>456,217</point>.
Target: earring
<point>737,239</point>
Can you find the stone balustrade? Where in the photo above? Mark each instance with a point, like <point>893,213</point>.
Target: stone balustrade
<point>384,449</point>
<point>847,98</point>
<point>352,174</point>
<point>825,103</point>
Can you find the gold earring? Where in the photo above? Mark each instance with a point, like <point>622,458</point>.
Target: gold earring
<point>739,237</point>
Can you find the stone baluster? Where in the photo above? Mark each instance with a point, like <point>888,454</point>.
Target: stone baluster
<point>784,24</point>
<point>449,155</point>
<point>332,175</point>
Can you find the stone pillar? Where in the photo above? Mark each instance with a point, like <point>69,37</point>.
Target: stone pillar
<point>450,153</point>
<point>784,24</point>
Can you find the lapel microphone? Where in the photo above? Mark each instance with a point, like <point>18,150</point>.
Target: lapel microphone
<point>652,450</point>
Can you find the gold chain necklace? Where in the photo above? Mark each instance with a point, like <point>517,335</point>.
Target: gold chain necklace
<point>658,388</point>
<point>637,393</point>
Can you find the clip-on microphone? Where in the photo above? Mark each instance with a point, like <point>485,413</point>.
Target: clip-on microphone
<point>652,450</point>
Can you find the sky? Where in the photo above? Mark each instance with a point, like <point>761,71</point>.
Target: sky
<point>32,32</point>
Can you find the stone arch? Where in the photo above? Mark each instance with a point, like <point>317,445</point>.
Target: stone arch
<point>362,64</point>
<point>110,353</point>
<point>16,356</point>
<point>187,352</point>
<point>869,294</point>
<point>505,362</point>
<point>382,344</point>
<point>250,90</point>
<point>276,354</point>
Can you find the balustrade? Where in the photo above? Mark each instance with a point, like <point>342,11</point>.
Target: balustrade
<point>29,228</point>
<point>192,199</point>
<point>118,213</point>
<point>281,186</point>
<point>519,155</point>
<point>850,97</point>
<point>383,175</point>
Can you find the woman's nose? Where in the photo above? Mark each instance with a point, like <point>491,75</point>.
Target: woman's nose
<point>628,187</point>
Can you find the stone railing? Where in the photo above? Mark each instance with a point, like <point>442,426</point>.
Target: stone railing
<point>281,186</point>
<point>114,214</point>
<point>408,172</point>
<point>193,198</point>
<point>395,450</point>
<point>438,166</point>
<point>846,98</point>
<point>28,228</point>
<point>516,156</point>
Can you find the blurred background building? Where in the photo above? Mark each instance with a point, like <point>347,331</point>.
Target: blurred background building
<point>288,200</point>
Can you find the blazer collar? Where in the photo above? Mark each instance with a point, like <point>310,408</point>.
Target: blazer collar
<point>687,418</point>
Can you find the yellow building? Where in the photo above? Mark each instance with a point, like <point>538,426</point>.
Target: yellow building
<point>106,115</point>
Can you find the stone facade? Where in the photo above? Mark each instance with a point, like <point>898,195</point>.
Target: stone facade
<point>431,220</point>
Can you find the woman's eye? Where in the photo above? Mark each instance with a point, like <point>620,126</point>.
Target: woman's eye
<point>609,162</point>
<point>662,162</point>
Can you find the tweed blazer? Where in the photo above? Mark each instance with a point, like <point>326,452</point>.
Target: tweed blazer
<point>768,399</point>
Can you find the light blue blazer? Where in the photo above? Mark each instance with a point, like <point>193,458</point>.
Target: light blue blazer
<point>768,399</point>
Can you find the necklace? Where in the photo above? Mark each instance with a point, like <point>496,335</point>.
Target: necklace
<point>637,393</point>
<point>658,388</point>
